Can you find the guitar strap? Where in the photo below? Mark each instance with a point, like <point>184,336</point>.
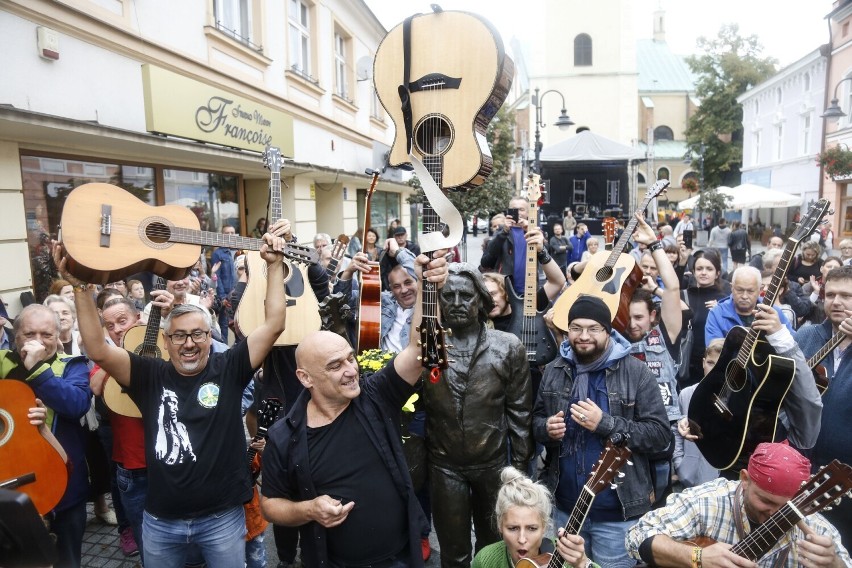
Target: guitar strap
<point>781,560</point>
<point>404,92</point>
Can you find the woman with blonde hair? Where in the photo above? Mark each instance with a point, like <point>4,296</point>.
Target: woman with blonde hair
<point>523,513</point>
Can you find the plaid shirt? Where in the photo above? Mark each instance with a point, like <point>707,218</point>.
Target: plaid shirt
<point>707,510</point>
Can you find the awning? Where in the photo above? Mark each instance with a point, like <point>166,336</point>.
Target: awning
<point>749,196</point>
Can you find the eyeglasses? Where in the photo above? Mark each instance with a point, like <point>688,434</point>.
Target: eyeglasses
<point>594,330</point>
<point>179,337</point>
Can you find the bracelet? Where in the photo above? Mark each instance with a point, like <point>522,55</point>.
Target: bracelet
<point>654,291</point>
<point>544,257</point>
<point>80,287</point>
<point>696,557</point>
<point>656,245</point>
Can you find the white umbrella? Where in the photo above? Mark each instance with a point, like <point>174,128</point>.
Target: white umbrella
<point>749,196</point>
<point>692,202</point>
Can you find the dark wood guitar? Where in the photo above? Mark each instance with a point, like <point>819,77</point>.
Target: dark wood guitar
<point>831,483</point>
<point>28,463</point>
<point>613,458</point>
<point>267,414</point>
<point>527,322</point>
<point>451,74</point>
<point>736,405</point>
<point>109,234</point>
<point>145,341</point>
<point>370,297</point>
<point>820,374</point>
<point>303,315</point>
<point>611,276</point>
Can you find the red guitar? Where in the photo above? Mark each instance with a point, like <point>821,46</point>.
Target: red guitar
<point>370,299</point>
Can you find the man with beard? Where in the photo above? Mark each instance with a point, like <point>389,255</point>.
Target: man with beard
<point>595,390</point>
<point>197,499</point>
<point>726,511</point>
<point>477,417</point>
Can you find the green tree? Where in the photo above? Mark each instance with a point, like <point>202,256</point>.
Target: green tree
<point>494,194</point>
<point>713,201</point>
<point>730,65</point>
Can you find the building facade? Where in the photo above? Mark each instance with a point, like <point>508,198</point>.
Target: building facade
<point>176,105</point>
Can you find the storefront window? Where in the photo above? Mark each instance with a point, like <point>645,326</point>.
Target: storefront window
<point>846,201</point>
<point>384,208</point>
<point>212,197</point>
<point>47,182</point>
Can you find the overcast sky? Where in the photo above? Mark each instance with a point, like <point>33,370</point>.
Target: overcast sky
<point>788,29</point>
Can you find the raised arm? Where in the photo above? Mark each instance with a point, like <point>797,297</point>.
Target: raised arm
<point>555,278</point>
<point>670,309</point>
<point>261,340</point>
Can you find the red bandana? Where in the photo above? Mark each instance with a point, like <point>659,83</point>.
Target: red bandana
<point>778,469</point>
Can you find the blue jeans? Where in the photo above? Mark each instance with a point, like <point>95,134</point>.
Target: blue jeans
<point>133,488</point>
<point>604,540</point>
<point>256,552</point>
<point>220,536</point>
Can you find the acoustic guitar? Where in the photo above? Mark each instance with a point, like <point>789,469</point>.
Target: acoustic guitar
<point>830,484</point>
<point>611,276</point>
<point>820,375</point>
<point>608,232</point>
<point>442,77</point>
<point>303,315</point>
<point>337,252</point>
<point>109,234</point>
<point>613,458</point>
<point>736,405</point>
<point>370,298</point>
<point>527,322</point>
<point>145,341</point>
<point>28,463</point>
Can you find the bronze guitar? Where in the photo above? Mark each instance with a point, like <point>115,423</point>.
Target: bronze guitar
<point>736,405</point>
<point>303,315</point>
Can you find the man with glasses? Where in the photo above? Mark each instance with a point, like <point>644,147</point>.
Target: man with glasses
<point>596,390</point>
<point>195,444</point>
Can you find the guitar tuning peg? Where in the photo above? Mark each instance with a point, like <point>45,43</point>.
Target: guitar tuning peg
<point>613,486</point>
<point>420,358</point>
<point>629,462</point>
<point>620,474</point>
<point>451,360</point>
<point>831,211</point>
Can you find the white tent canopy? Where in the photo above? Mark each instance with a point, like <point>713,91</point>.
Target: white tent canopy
<point>590,147</point>
<point>749,196</point>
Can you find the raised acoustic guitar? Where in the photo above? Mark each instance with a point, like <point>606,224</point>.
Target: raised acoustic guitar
<point>736,405</point>
<point>611,276</point>
<point>831,483</point>
<point>109,234</point>
<point>613,458</point>
<point>28,463</point>
<point>145,341</point>
<point>303,315</point>
<point>370,298</point>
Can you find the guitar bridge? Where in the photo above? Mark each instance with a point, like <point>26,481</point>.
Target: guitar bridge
<point>722,408</point>
<point>106,225</point>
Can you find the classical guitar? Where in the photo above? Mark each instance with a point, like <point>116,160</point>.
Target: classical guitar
<point>820,375</point>
<point>370,298</point>
<point>303,315</point>
<point>145,341</point>
<point>267,414</point>
<point>451,74</point>
<point>613,458</point>
<point>736,405</point>
<point>608,232</point>
<point>337,252</point>
<point>830,484</point>
<point>28,463</point>
<point>611,276</point>
<point>109,234</point>
<point>527,322</point>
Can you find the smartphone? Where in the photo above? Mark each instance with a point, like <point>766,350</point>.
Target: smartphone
<point>512,212</point>
<point>687,238</point>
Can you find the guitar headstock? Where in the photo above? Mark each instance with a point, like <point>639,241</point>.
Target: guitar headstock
<point>613,458</point>
<point>829,484</point>
<point>810,221</point>
<point>373,183</point>
<point>657,189</point>
<point>609,231</point>
<point>339,248</point>
<point>433,347</point>
<point>300,253</point>
<point>272,159</point>
<point>267,412</point>
<point>533,188</point>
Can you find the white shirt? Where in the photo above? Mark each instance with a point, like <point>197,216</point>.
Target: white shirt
<point>391,341</point>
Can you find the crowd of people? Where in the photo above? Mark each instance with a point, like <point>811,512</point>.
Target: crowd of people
<point>492,455</point>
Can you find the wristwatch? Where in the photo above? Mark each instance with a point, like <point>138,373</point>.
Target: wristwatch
<point>82,287</point>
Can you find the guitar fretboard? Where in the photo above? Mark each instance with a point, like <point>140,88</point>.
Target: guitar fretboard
<point>835,340</point>
<point>625,236</point>
<point>431,223</point>
<point>152,329</point>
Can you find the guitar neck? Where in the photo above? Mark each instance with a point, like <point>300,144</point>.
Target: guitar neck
<point>531,276</point>
<point>431,223</point>
<point>835,340</point>
<point>275,209</point>
<point>621,244</point>
<point>207,238</point>
<point>153,326</point>
<point>761,540</point>
<point>251,452</point>
<point>575,521</point>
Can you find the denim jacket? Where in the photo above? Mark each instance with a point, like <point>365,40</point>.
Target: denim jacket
<point>636,409</point>
<point>406,258</point>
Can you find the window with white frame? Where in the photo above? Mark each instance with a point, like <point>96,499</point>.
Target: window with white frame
<point>755,156</point>
<point>341,65</point>
<point>300,38</point>
<point>779,140</point>
<point>233,17</point>
<point>806,133</point>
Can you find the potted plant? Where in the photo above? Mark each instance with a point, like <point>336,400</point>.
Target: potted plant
<point>836,162</point>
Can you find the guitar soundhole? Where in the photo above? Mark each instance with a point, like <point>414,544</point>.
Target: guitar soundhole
<point>155,232</point>
<point>288,272</point>
<point>150,351</point>
<point>736,377</point>
<point>433,135</point>
<point>7,426</point>
<point>604,274</point>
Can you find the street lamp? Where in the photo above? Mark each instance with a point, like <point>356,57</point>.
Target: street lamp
<point>833,113</point>
<point>563,122</point>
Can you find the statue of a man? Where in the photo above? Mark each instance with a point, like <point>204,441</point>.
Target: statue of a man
<point>478,417</point>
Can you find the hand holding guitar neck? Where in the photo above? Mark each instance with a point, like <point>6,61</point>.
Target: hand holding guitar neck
<point>571,548</point>
<point>273,247</point>
<point>432,269</point>
<point>535,237</point>
<point>766,319</point>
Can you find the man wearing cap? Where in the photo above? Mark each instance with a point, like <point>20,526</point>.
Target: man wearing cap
<point>726,511</point>
<point>593,391</point>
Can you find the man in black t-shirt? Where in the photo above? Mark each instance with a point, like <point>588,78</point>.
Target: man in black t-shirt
<point>194,443</point>
<point>334,466</point>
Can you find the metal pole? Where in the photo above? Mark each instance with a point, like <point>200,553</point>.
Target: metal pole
<point>537,149</point>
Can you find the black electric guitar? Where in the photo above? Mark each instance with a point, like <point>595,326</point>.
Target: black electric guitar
<point>267,414</point>
<point>613,458</point>
<point>736,406</point>
<point>527,322</point>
